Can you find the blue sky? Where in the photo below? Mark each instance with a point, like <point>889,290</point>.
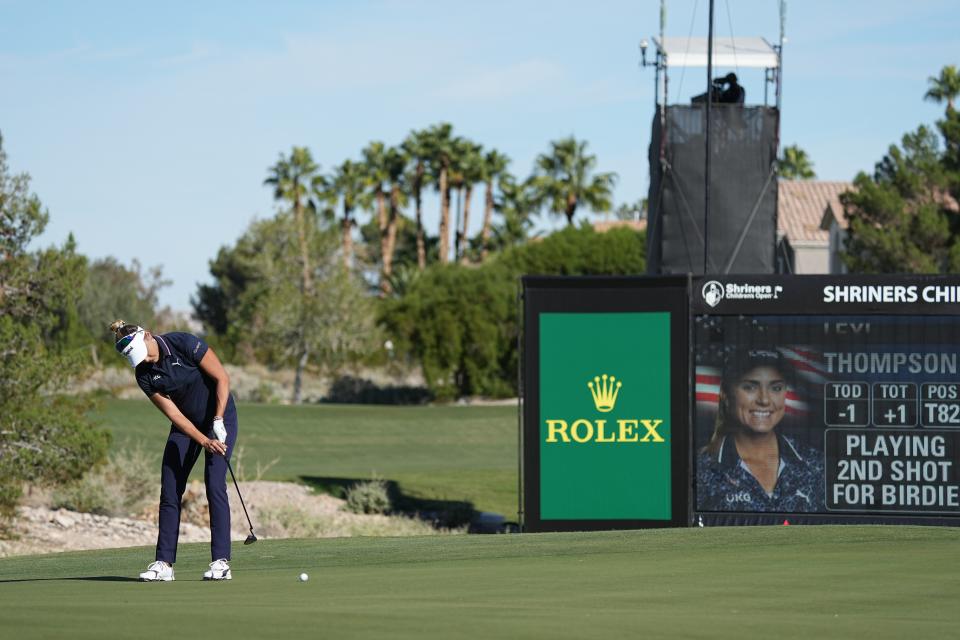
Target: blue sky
<point>148,128</point>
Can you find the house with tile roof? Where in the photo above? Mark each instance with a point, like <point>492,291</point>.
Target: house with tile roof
<point>811,226</point>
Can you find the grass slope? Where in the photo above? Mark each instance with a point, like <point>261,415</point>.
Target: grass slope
<point>877,582</point>
<point>438,453</point>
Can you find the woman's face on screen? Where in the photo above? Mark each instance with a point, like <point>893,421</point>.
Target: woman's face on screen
<point>760,398</point>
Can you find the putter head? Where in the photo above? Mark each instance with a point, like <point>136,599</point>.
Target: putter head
<point>250,539</point>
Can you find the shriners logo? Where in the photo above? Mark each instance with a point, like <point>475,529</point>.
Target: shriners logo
<point>712,293</point>
<point>604,392</point>
<point>604,389</point>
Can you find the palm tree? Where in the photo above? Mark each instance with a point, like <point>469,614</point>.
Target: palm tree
<point>442,146</point>
<point>795,164</point>
<point>564,179</point>
<point>293,180</point>
<point>455,184</point>
<point>375,160</point>
<point>348,183</point>
<point>394,165</point>
<point>417,148</point>
<point>470,164</point>
<point>494,166</point>
<point>517,203</point>
<point>946,87</point>
<point>375,172</point>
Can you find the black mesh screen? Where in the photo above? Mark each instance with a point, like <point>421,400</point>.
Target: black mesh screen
<point>743,197</point>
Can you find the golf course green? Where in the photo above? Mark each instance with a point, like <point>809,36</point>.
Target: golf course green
<point>789,582</point>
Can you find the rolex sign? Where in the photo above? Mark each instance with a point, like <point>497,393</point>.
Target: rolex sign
<point>605,418</point>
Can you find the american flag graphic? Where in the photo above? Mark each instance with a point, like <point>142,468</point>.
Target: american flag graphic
<point>805,361</point>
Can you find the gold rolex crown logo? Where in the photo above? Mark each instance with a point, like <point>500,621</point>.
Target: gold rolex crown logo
<point>604,390</point>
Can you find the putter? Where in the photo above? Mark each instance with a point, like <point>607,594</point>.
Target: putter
<point>250,538</point>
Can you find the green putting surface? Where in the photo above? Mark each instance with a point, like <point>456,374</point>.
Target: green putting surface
<point>871,582</point>
<point>441,453</point>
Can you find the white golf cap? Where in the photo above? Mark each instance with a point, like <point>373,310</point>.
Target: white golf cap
<point>133,347</point>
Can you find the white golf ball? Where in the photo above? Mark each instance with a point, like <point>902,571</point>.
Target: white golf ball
<point>304,577</point>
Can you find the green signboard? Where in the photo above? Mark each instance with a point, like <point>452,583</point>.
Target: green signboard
<point>605,416</point>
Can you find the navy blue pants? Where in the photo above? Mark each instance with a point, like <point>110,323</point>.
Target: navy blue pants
<point>179,457</point>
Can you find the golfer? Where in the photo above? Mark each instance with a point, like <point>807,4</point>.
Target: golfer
<point>748,465</point>
<point>183,377</point>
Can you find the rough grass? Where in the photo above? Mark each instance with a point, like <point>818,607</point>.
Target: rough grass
<point>786,582</point>
<point>291,522</point>
<point>435,453</point>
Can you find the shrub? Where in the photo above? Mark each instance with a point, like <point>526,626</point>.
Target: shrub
<point>458,322</point>
<point>264,392</point>
<point>118,488</point>
<point>369,497</point>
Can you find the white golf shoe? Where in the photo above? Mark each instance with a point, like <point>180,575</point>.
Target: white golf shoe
<point>157,572</point>
<point>219,570</point>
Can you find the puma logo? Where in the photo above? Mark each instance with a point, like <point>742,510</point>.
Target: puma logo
<point>176,363</point>
<point>801,494</point>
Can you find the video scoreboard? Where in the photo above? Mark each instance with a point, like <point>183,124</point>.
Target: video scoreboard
<point>872,401</point>
<point>738,399</point>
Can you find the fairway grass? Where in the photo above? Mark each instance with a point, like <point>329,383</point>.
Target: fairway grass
<point>446,454</point>
<point>783,582</point>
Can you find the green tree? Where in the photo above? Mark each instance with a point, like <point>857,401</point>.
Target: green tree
<point>45,437</point>
<point>265,316</point>
<point>295,180</point>
<point>903,218</point>
<point>228,307</point>
<point>516,204</point>
<point>945,87</point>
<point>565,180</point>
<point>795,164</point>
<point>457,323</point>
<point>334,325</point>
<point>493,168</point>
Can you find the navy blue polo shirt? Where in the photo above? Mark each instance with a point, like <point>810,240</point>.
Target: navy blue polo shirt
<point>177,375</point>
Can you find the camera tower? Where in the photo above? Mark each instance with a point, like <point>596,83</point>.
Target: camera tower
<point>713,191</point>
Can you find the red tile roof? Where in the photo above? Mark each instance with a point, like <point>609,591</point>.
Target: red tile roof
<point>801,207</point>
<point>602,226</point>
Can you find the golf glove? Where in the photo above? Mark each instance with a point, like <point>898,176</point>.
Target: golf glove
<point>219,430</point>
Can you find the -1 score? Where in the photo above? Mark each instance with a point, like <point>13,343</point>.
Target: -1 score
<point>846,404</point>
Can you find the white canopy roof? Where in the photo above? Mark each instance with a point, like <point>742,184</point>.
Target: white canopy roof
<point>727,52</point>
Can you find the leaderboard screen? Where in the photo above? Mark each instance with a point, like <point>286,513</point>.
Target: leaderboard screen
<point>827,397</point>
